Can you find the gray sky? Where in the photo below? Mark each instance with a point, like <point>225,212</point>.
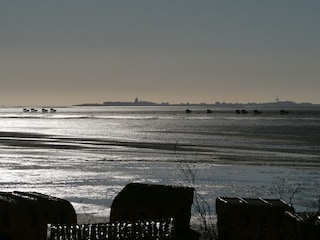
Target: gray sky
<point>78,51</point>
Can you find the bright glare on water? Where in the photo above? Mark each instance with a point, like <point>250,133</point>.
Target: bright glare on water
<point>88,154</point>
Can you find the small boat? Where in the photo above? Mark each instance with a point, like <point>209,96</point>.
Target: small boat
<point>244,111</point>
<point>188,110</point>
<point>283,112</point>
<point>209,111</point>
<point>256,112</point>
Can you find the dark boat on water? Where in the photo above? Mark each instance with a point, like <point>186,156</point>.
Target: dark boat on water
<point>283,112</point>
<point>256,112</point>
<point>244,111</point>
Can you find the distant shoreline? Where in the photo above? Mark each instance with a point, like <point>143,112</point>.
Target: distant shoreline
<point>279,104</point>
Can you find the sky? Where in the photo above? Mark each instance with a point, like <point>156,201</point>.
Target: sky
<point>61,52</point>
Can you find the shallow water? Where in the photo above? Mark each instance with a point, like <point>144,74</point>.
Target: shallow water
<point>88,154</point>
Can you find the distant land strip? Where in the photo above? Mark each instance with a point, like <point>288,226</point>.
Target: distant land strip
<point>137,102</point>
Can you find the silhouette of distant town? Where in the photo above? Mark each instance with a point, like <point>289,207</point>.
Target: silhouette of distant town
<point>138,102</point>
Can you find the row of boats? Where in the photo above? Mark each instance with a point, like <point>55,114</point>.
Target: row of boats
<point>243,111</point>
<point>256,112</point>
<point>44,110</point>
<point>189,111</point>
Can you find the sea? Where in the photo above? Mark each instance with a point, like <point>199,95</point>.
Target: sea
<point>87,154</point>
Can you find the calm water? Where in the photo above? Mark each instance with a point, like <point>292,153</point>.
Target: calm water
<point>88,154</point>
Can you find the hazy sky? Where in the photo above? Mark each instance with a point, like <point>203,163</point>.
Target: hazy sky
<point>62,52</point>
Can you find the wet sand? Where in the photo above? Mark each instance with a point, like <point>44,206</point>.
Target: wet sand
<point>195,153</point>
